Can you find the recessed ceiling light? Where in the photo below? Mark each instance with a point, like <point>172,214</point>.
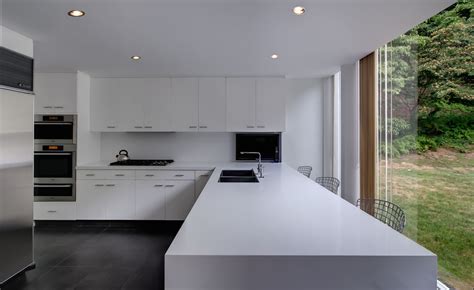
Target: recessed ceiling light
<point>274,56</point>
<point>76,13</point>
<point>136,57</point>
<point>299,10</point>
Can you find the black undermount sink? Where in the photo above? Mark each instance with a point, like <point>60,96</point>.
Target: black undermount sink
<point>238,176</point>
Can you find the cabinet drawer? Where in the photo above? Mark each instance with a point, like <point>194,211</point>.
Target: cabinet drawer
<point>54,210</point>
<point>165,174</point>
<point>105,174</point>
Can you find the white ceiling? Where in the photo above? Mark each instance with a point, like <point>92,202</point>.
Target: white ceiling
<point>210,37</point>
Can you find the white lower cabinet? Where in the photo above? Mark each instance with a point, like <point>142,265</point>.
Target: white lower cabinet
<point>91,200</point>
<point>179,195</point>
<point>120,196</point>
<point>202,177</point>
<point>105,199</point>
<point>140,195</point>
<point>150,200</point>
<point>46,210</point>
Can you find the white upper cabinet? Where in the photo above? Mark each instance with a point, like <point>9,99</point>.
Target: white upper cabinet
<point>256,105</point>
<point>185,97</point>
<point>188,104</point>
<point>271,105</point>
<point>55,93</point>
<point>212,105</point>
<point>158,105</point>
<point>131,98</point>
<point>241,94</point>
<point>106,105</point>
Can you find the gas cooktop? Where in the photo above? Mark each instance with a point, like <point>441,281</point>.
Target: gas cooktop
<point>138,162</point>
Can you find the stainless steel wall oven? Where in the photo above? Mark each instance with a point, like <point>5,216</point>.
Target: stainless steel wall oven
<point>55,158</point>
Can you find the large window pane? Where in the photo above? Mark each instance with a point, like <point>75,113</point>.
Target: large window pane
<point>425,137</point>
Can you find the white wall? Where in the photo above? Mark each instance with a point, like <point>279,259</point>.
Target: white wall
<point>302,143</point>
<point>303,140</point>
<point>350,167</point>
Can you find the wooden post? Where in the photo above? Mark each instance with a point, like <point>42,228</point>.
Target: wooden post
<point>368,126</point>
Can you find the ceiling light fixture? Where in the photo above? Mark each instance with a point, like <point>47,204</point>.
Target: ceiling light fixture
<point>76,13</point>
<point>274,56</point>
<point>299,10</point>
<point>136,57</point>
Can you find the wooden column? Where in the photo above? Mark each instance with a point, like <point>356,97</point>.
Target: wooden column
<point>368,126</point>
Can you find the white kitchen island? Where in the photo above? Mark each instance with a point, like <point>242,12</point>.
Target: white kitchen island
<point>287,232</point>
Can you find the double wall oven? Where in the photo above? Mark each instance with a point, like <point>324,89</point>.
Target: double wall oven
<point>55,158</point>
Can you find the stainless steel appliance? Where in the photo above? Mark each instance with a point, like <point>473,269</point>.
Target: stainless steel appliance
<point>16,71</point>
<point>55,174</point>
<point>16,183</point>
<point>55,158</point>
<point>55,129</point>
<point>140,162</point>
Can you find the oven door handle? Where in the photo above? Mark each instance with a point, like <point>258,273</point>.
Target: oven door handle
<point>54,185</point>
<point>53,123</point>
<point>52,153</point>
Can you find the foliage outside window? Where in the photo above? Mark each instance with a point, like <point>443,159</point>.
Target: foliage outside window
<point>426,137</point>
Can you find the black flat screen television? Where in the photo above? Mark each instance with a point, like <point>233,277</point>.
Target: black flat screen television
<point>268,144</point>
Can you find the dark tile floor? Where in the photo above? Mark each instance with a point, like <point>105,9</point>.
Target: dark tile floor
<point>98,256</point>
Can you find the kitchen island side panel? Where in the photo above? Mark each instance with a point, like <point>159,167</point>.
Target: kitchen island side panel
<point>185,272</point>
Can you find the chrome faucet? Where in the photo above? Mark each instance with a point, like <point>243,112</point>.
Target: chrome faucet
<point>260,165</point>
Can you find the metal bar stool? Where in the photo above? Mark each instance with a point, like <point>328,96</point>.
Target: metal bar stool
<point>331,183</point>
<point>305,170</point>
<point>385,211</point>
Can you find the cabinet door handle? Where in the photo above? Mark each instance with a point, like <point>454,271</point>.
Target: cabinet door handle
<point>90,174</point>
<point>99,185</point>
<point>250,127</point>
<point>52,211</point>
<point>205,175</point>
<point>59,107</point>
<point>148,127</point>
<point>149,175</point>
<point>111,127</point>
<point>192,127</point>
<point>110,185</point>
<point>119,175</point>
<point>179,175</point>
<point>203,127</point>
<point>138,127</point>
<point>158,185</point>
<point>47,107</point>
<point>260,126</point>
<point>169,185</point>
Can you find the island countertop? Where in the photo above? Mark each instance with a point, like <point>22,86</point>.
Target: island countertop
<point>288,216</point>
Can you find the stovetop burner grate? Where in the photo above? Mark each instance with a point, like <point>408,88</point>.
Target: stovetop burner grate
<point>138,162</point>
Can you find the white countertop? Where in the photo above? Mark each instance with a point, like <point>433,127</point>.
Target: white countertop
<point>104,165</point>
<point>286,214</point>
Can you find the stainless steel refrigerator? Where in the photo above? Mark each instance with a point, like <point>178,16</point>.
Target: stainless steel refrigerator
<point>16,183</point>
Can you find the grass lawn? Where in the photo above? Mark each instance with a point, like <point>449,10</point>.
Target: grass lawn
<point>436,190</point>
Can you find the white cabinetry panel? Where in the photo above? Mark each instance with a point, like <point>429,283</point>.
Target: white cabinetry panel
<point>179,198</point>
<point>106,107</point>
<point>120,196</point>
<point>91,200</point>
<point>202,177</point>
<point>54,211</point>
<point>55,93</point>
<point>241,104</point>
<point>271,105</point>
<point>212,105</point>
<point>185,96</point>
<point>158,104</point>
<point>150,200</point>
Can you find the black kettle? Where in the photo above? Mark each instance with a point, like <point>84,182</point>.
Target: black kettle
<point>122,156</point>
